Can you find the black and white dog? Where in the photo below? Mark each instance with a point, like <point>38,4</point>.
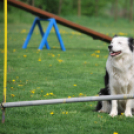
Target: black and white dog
<point>119,77</point>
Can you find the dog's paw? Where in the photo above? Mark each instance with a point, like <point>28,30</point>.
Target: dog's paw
<point>101,111</point>
<point>113,113</point>
<point>128,114</point>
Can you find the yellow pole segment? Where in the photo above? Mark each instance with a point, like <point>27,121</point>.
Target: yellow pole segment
<point>5,52</point>
<point>5,60</point>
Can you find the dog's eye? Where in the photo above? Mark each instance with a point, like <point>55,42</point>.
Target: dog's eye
<point>119,42</point>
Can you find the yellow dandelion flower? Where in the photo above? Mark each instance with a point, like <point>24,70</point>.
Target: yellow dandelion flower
<point>24,56</point>
<point>63,113</point>
<point>115,133</point>
<point>75,85</point>
<point>39,59</point>
<point>47,94</point>
<point>14,50</point>
<point>23,31</point>
<point>93,54</point>
<point>51,93</point>
<point>32,91</point>
<point>12,95</point>
<point>13,80</point>
<point>11,87</point>
<point>97,56</point>
<point>85,62</point>
<point>69,96</point>
<point>20,85</point>
<point>122,113</point>
<point>53,55</point>
<point>90,105</point>
<point>60,61</point>
<point>98,51</point>
<point>66,112</point>
<point>81,94</point>
<point>52,113</point>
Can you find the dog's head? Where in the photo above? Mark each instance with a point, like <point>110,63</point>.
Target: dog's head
<point>121,45</point>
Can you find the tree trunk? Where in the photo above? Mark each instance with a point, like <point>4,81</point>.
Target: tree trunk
<point>131,11</point>
<point>115,9</point>
<point>79,8</point>
<point>96,7</point>
<point>60,5</point>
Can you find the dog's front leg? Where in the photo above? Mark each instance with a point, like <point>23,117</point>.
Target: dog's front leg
<point>128,111</point>
<point>114,109</point>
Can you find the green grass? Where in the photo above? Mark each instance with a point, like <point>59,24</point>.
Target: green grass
<point>72,73</point>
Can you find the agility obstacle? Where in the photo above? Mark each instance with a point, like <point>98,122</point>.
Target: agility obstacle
<point>43,14</point>
<point>52,23</point>
<point>5,104</point>
<point>66,100</point>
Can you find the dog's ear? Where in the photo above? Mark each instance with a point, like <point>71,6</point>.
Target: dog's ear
<point>131,41</point>
<point>115,36</point>
<point>131,44</point>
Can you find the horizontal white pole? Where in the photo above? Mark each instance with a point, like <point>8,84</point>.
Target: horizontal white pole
<point>67,100</point>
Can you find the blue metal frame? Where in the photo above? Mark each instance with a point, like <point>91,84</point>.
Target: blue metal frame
<point>52,22</point>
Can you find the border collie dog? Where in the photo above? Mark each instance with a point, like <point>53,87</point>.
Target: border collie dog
<point>119,78</point>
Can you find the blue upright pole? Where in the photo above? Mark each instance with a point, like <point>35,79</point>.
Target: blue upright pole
<point>46,35</point>
<point>42,33</point>
<point>59,36</point>
<point>29,34</point>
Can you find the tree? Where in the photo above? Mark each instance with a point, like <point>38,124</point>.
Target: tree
<point>131,11</point>
<point>60,6</point>
<point>79,8</point>
<point>115,9</point>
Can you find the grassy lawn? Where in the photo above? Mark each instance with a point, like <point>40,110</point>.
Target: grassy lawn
<point>48,74</point>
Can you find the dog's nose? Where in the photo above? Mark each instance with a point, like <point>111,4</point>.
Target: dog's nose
<point>110,47</point>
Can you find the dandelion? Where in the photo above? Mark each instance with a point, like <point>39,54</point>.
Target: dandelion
<point>23,31</point>
<point>47,94</point>
<point>115,133</point>
<point>14,50</point>
<point>20,85</point>
<point>66,112</point>
<point>97,56</point>
<point>69,96</point>
<point>122,113</point>
<point>75,85</point>
<point>93,54</point>
<point>11,87</point>
<point>39,59</point>
<point>63,113</point>
<point>98,51</point>
<point>32,91</point>
<point>13,80</point>
<point>90,105</point>
<point>24,56</point>
<point>51,93</point>
<point>81,94</point>
<point>53,55</point>
<point>85,62</point>
<point>12,95</point>
<point>60,61</point>
<point>52,113</point>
